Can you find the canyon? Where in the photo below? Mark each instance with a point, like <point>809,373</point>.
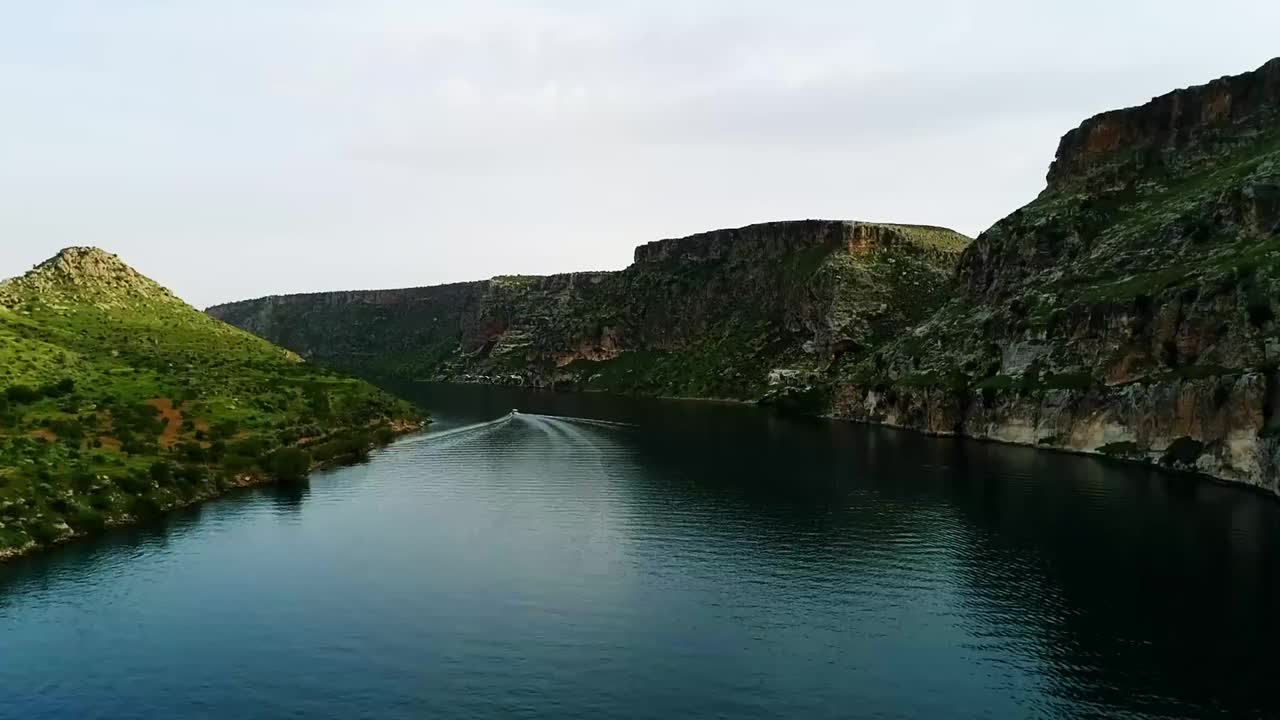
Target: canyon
<point>1128,310</point>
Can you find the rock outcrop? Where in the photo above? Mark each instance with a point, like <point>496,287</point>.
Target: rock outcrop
<point>1128,310</point>
<point>710,315</point>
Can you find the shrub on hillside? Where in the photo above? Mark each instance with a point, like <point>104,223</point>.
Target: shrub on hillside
<point>224,429</point>
<point>62,388</point>
<point>161,473</point>
<point>289,464</point>
<point>67,430</point>
<point>22,394</point>
<point>350,445</point>
<point>193,474</point>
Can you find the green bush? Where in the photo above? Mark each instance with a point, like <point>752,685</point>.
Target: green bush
<point>239,464</point>
<point>193,474</point>
<point>352,445</point>
<point>289,464</point>
<point>82,480</point>
<point>67,429</point>
<point>22,394</point>
<point>86,519</point>
<point>45,531</point>
<point>192,452</point>
<point>146,506</point>
<point>161,473</point>
<point>225,429</point>
<point>248,447</point>
<point>138,446</point>
<point>134,483</point>
<point>62,388</point>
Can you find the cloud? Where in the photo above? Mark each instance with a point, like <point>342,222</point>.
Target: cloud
<point>237,149</point>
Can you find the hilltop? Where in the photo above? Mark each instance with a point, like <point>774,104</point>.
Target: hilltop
<point>118,400</point>
<point>716,314</point>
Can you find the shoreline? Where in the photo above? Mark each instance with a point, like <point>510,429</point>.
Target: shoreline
<point>239,482</point>
<point>1057,449</point>
<point>406,430</point>
<point>1117,460</point>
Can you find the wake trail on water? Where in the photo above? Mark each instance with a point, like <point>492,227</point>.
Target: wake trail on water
<point>433,437</point>
<point>589,450</point>
<point>584,421</point>
<point>560,426</point>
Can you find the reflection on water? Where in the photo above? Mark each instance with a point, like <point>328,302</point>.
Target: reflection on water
<point>678,559</point>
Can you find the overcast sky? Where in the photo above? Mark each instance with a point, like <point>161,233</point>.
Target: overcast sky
<point>238,148</point>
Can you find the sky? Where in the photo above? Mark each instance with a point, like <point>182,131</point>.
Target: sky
<point>239,148</point>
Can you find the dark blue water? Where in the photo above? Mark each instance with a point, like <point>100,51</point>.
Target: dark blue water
<point>708,561</point>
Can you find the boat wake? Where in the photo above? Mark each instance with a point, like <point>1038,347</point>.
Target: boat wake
<point>584,421</point>
<point>558,422</point>
<point>432,437</point>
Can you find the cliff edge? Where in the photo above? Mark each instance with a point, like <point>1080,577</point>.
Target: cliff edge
<point>716,314</point>
<point>1129,310</point>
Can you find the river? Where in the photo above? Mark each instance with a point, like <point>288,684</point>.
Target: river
<point>596,557</point>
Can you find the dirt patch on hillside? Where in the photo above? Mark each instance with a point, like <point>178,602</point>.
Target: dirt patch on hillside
<point>172,421</point>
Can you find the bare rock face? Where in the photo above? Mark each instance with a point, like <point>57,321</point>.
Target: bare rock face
<point>1129,310</point>
<point>708,315</point>
<point>1174,133</point>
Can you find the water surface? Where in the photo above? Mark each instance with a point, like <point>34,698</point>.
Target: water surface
<point>678,560</point>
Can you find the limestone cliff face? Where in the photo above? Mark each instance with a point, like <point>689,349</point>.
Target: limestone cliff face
<point>711,315</point>
<point>376,332</point>
<point>1173,133</point>
<point>1129,310</point>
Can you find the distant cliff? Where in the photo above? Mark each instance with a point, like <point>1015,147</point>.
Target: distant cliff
<point>1129,310</point>
<point>711,315</point>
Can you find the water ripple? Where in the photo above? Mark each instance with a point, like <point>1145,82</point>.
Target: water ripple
<point>641,561</point>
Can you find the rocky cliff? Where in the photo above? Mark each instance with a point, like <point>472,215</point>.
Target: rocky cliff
<point>1128,310</point>
<point>711,315</point>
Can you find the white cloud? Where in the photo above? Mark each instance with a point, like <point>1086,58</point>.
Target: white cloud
<point>236,149</point>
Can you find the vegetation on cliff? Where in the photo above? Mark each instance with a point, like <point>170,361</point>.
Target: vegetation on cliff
<point>1130,309</point>
<point>117,401</point>
<point>711,315</point>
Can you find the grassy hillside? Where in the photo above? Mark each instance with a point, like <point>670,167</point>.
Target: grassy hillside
<point>118,400</point>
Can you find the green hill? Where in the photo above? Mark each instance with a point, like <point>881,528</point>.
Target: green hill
<point>118,400</point>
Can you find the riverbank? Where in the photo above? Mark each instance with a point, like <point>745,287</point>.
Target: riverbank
<point>220,488</point>
<point>543,552</point>
<point>1150,460</point>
